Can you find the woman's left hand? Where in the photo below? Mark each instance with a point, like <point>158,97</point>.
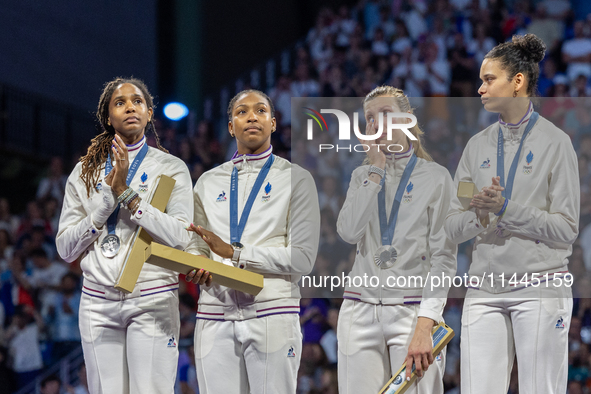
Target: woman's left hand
<point>120,160</point>
<point>490,198</point>
<point>215,243</point>
<point>420,350</point>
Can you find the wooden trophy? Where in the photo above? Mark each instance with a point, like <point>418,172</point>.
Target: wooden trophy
<point>144,249</point>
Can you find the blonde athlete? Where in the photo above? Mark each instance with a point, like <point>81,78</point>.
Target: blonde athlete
<point>260,213</point>
<point>129,340</point>
<point>525,220</point>
<point>381,327</point>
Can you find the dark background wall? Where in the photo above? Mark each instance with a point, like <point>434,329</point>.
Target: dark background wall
<point>66,50</point>
<point>183,49</point>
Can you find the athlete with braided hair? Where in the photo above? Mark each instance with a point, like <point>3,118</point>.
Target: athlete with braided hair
<point>129,340</point>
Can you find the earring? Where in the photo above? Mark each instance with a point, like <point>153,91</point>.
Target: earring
<point>515,93</point>
<point>108,122</point>
<point>232,134</point>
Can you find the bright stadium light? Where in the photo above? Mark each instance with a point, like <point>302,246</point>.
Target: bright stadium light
<point>175,111</point>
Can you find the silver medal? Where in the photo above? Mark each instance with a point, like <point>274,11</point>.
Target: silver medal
<point>110,245</point>
<point>385,256</point>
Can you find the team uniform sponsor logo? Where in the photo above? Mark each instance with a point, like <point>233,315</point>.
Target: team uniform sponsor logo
<point>171,342</point>
<point>291,352</point>
<point>99,187</point>
<point>222,197</point>
<point>144,185</point>
<point>485,164</point>
<point>560,323</point>
<point>267,197</point>
<point>527,169</point>
<point>407,197</point>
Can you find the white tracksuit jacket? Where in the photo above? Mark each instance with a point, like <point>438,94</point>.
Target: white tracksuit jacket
<point>77,234</point>
<point>423,248</point>
<point>280,237</point>
<point>542,217</point>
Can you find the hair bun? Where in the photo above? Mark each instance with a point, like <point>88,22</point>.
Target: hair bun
<point>531,46</point>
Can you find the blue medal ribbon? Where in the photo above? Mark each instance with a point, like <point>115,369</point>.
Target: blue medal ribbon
<point>236,229</point>
<point>112,221</point>
<point>501,157</point>
<point>387,227</point>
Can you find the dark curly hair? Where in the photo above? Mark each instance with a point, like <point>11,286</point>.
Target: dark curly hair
<point>100,145</point>
<point>521,55</point>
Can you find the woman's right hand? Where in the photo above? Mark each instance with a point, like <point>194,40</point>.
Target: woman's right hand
<point>375,154</point>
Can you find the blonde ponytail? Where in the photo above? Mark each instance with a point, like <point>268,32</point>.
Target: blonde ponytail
<point>404,106</point>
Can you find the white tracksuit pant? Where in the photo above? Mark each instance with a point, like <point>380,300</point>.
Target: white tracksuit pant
<point>253,356</point>
<point>534,326</point>
<point>130,342</point>
<point>373,343</point>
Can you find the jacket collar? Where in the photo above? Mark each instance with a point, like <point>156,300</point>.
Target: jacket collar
<point>514,131</point>
<point>399,160</point>
<point>133,150</point>
<point>251,161</point>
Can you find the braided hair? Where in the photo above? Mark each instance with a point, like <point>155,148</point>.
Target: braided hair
<point>100,146</point>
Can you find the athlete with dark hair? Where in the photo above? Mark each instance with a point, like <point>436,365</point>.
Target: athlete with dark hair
<point>524,224</point>
<point>260,213</point>
<point>129,340</point>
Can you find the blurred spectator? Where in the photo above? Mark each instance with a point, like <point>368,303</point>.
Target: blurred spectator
<point>33,217</point>
<point>188,310</point>
<point>82,386</point>
<point>281,96</point>
<point>46,278</point>
<point>206,147</point>
<point>313,313</point>
<point>550,30</point>
<point>576,52</point>
<point>15,287</point>
<point>548,72</point>
<point>54,184</point>
<point>6,250</point>
<point>8,221</point>
<point>480,44</point>
<point>579,87</point>
<point>37,238</point>
<point>344,26</point>
<point>328,196</point>
<point>555,108</point>
<point>51,385</point>
<point>414,20</point>
<point>402,42</point>
<point>7,382</point>
<point>329,339</point>
<point>463,68</point>
<point>23,336</point>
<point>188,375</point>
<point>557,9</point>
<point>51,213</point>
<point>304,85</point>
<point>379,46</point>
<point>62,317</point>
<point>386,25</point>
<point>575,387</point>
